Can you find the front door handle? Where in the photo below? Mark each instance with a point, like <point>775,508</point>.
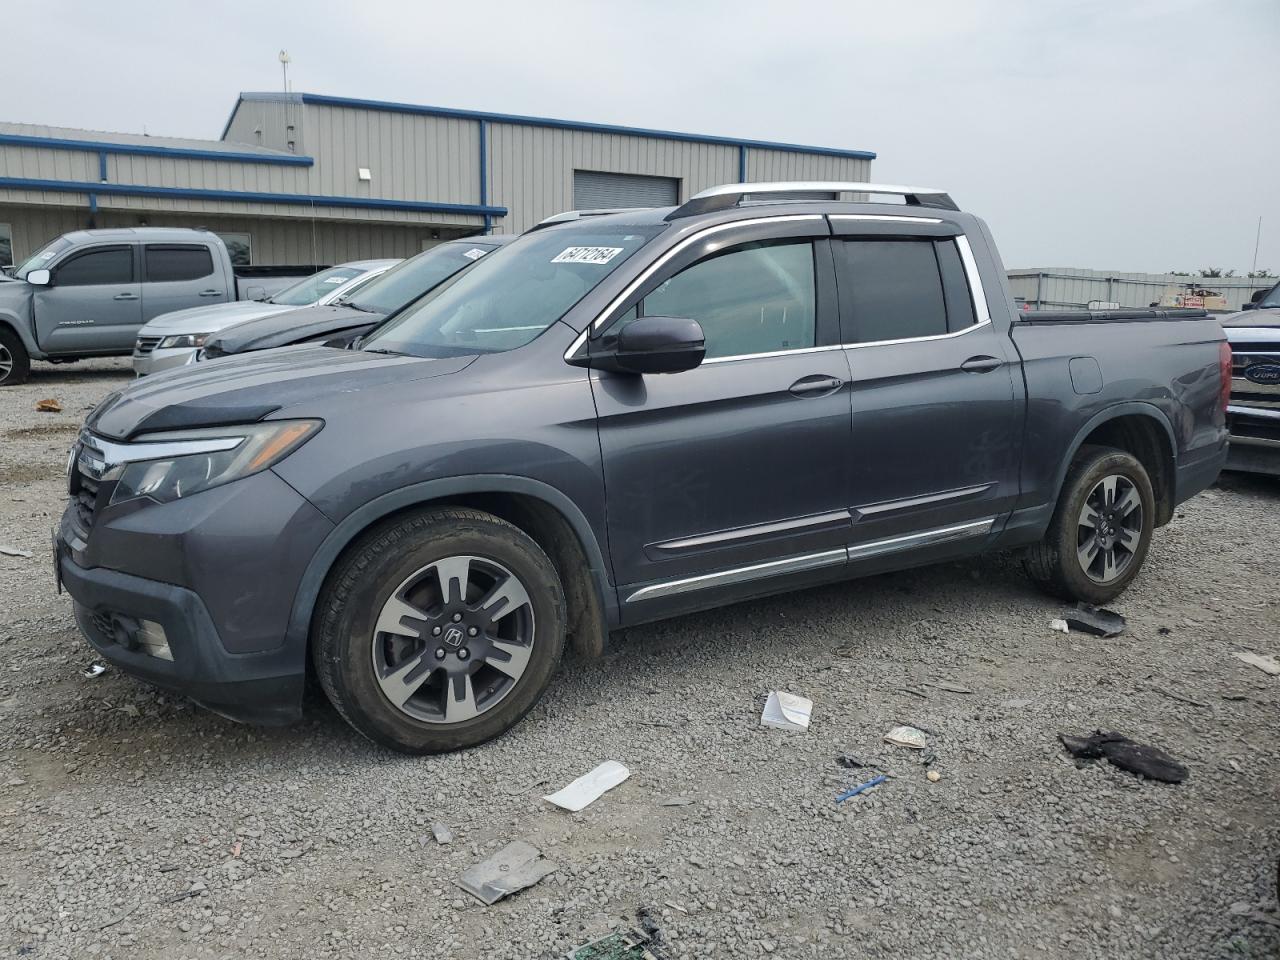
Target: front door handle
<point>125,296</point>
<point>981,364</point>
<point>816,385</point>
<point>210,293</point>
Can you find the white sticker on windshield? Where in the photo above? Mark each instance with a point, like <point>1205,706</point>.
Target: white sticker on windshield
<point>586,255</point>
<point>475,253</point>
<point>336,280</point>
<point>48,254</point>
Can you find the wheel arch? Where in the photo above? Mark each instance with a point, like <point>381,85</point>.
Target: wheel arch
<point>1141,429</point>
<point>546,514</point>
<point>19,329</point>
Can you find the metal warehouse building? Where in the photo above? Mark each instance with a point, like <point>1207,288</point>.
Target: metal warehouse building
<point>303,178</point>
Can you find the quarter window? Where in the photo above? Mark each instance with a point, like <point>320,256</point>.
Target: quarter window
<point>106,265</point>
<point>239,248</point>
<point>754,298</point>
<point>166,264</point>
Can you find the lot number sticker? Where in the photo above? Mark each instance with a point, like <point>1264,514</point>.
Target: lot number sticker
<point>586,255</point>
<point>475,253</point>
<point>336,280</point>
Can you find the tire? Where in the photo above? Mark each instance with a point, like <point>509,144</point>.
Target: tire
<point>1057,563</point>
<point>394,577</point>
<point>15,364</point>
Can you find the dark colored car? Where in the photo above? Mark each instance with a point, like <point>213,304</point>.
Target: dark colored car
<point>343,322</point>
<point>612,421</point>
<point>1254,415</point>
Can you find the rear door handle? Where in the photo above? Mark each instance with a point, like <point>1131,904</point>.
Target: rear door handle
<point>125,296</point>
<point>981,364</point>
<point>816,385</point>
<point>210,293</point>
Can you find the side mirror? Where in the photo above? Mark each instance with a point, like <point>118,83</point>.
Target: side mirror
<point>651,345</point>
<point>1251,305</point>
<point>38,278</point>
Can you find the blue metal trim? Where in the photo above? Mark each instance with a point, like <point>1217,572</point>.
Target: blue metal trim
<point>484,174</point>
<point>742,163</point>
<point>246,196</point>
<point>392,107</point>
<point>140,150</point>
<point>93,203</point>
<point>102,165</point>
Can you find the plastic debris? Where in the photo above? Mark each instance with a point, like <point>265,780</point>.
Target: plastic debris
<point>442,833</point>
<point>1096,620</point>
<point>850,762</point>
<point>1267,665</point>
<point>854,791</point>
<point>590,786</point>
<point>906,737</point>
<point>950,687</point>
<point>934,776</point>
<point>1059,625</point>
<point>95,670</point>
<point>642,942</point>
<point>48,406</point>
<point>1146,761</point>
<point>786,711</point>
<point>514,867</point>
<point>15,552</point>
<point>676,802</point>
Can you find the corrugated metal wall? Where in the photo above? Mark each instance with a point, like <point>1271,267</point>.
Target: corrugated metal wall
<point>1070,288</point>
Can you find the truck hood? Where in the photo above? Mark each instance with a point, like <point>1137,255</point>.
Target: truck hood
<point>1270,317</point>
<point>293,326</point>
<point>217,316</point>
<point>248,388</point>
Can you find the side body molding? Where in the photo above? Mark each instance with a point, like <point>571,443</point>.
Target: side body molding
<point>360,519</point>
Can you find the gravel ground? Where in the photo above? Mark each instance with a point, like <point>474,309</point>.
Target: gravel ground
<point>135,825</point>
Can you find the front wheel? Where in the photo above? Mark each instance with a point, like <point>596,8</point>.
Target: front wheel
<point>15,364</point>
<point>1101,530</point>
<point>439,630</point>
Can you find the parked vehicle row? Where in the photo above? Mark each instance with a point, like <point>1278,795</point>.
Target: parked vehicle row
<point>86,293</point>
<point>613,420</point>
<point>1254,415</point>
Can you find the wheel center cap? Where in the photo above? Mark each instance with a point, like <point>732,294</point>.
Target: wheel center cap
<point>454,636</point>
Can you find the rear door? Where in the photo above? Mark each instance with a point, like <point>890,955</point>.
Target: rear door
<point>935,440</point>
<point>93,302</point>
<point>732,475</point>
<point>177,276</point>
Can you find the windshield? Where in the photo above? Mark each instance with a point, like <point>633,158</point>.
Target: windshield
<point>406,282</point>
<point>308,291</point>
<point>40,259</point>
<point>512,294</point>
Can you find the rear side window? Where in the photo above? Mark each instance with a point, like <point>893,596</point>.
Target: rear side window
<point>100,266</point>
<point>169,263</point>
<point>895,289</point>
<point>755,298</point>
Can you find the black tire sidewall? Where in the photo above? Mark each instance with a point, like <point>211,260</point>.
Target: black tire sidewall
<point>346,634</point>
<point>1085,475</point>
<point>21,360</point>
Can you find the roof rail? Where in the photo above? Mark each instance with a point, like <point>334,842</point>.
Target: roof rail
<point>570,215</point>
<point>731,194</point>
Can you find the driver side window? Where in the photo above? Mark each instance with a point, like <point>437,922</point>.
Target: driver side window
<point>752,298</point>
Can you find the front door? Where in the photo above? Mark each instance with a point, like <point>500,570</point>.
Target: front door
<point>935,422</point>
<point>93,302</point>
<point>733,475</point>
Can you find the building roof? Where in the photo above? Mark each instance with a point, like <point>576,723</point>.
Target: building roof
<point>70,138</point>
<point>520,120</point>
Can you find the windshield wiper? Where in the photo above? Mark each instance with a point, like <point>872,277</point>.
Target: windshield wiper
<point>391,353</point>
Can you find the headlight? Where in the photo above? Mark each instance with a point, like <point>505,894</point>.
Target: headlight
<point>181,463</point>
<point>188,340</point>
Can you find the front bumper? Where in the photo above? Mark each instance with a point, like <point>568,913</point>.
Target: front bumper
<point>157,359</point>
<point>217,572</point>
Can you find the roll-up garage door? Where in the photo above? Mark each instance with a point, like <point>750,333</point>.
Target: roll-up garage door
<point>593,190</point>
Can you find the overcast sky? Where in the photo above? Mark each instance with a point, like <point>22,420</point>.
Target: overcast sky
<point>1117,135</point>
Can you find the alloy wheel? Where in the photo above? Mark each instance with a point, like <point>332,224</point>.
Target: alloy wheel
<point>453,639</point>
<point>6,361</point>
<point>1109,528</point>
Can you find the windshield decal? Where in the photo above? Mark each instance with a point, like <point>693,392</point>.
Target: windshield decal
<point>595,255</point>
<point>475,253</point>
<point>335,280</point>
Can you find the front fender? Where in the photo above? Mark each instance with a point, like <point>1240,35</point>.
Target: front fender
<point>22,327</point>
<point>437,490</point>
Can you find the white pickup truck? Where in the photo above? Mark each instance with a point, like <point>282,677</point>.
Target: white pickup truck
<point>86,293</point>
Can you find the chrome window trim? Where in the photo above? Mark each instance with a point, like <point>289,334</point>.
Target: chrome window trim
<point>890,218</point>
<point>756,571</point>
<point>932,336</point>
<point>981,312</point>
<point>773,353</point>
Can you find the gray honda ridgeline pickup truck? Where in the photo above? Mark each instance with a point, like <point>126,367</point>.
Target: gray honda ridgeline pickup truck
<point>617,419</point>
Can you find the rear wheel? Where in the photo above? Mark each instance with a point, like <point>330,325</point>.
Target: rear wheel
<point>439,630</point>
<point>1101,530</point>
<point>15,364</point>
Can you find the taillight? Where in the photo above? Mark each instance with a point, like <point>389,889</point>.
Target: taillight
<point>1224,371</point>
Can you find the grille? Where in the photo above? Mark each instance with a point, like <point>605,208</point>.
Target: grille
<point>1243,390</point>
<point>105,627</point>
<point>84,493</point>
<point>146,344</point>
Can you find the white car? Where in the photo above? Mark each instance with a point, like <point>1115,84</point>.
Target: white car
<point>172,339</point>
